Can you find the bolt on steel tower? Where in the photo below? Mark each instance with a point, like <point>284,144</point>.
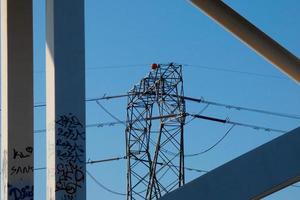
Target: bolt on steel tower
<point>154,133</point>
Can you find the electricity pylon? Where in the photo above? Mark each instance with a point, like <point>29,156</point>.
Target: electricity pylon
<point>154,133</point>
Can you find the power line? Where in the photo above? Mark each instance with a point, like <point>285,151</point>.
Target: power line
<point>267,129</point>
<point>228,106</point>
<point>91,162</point>
<point>213,146</point>
<point>103,186</point>
<point>119,66</point>
<point>200,66</point>
<point>201,100</point>
<point>106,160</point>
<point>123,123</point>
<point>109,113</point>
<point>104,97</point>
<point>141,66</point>
<point>40,168</point>
<point>201,111</point>
<point>123,194</point>
<point>97,125</point>
<point>236,71</point>
<point>227,121</point>
<point>175,166</point>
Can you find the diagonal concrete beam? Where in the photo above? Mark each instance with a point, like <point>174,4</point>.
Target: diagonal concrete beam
<point>254,175</point>
<point>248,33</point>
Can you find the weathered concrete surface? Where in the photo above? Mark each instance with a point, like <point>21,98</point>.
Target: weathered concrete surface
<point>65,98</point>
<point>16,99</point>
<point>254,175</point>
<point>253,37</point>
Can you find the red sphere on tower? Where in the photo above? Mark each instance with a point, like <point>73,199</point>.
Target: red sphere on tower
<point>154,66</point>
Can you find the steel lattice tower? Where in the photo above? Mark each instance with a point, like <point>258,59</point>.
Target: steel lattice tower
<point>154,133</point>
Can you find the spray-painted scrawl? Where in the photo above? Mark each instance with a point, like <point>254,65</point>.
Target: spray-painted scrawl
<point>70,157</point>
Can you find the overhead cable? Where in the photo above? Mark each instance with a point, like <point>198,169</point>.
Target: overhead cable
<point>109,113</point>
<point>267,129</point>
<point>228,106</point>
<point>235,71</point>
<point>90,162</point>
<point>213,103</point>
<point>213,146</point>
<point>200,66</point>
<point>175,166</point>
<point>200,100</point>
<point>106,160</point>
<point>103,186</point>
<point>227,121</point>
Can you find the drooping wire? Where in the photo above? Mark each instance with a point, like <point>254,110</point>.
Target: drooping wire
<point>91,162</point>
<point>103,186</point>
<point>200,112</point>
<point>109,113</point>
<point>124,123</point>
<point>177,167</point>
<point>213,146</point>
<point>123,194</point>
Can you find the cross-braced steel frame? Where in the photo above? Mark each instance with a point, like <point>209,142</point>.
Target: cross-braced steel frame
<point>154,133</point>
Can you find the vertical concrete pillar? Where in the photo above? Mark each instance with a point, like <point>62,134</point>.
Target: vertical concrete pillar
<point>16,100</point>
<point>65,97</point>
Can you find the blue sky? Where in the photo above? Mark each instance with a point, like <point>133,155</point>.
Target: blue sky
<point>124,37</point>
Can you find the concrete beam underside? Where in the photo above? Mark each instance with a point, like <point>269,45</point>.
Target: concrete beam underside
<point>254,175</point>
<point>252,36</point>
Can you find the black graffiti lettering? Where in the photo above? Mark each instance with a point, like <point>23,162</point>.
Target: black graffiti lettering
<point>70,151</point>
<point>71,133</point>
<point>29,149</point>
<point>15,170</point>
<point>70,177</point>
<point>68,197</point>
<point>19,154</point>
<point>70,154</point>
<point>69,121</point>
<point>25,193</point>
<point>73,156</point>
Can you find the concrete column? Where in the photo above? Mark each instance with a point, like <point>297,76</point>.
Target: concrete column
<point>16,100</point>
<point>65,98</point>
